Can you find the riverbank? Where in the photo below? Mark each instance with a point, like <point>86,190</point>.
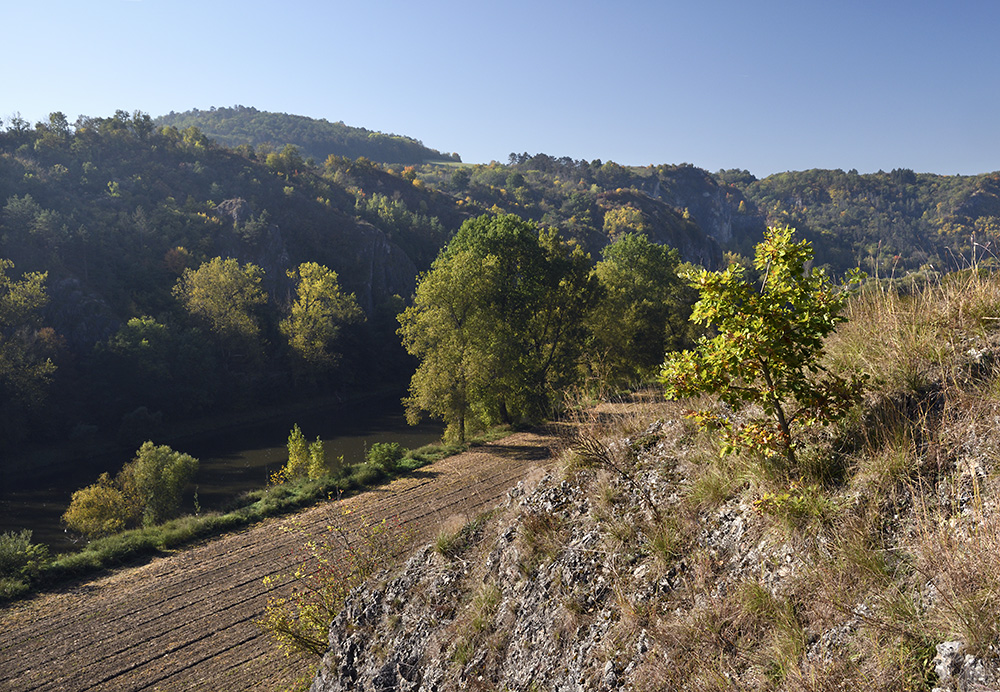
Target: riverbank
<point>237,454</point>
<point>188,620</point>
<point>41,573</point>
<point>31,462</point>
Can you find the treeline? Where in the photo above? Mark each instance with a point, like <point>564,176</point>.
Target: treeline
<point>106,222</point>
<point>247,126</point>
<point>900,221</point>
<point>597,202</point>
<point>511,318</point>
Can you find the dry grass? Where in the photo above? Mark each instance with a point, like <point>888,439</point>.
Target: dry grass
<point>894,515</point>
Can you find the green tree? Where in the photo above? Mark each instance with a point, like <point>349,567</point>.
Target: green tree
<point>624,219</point>
<point>26,366</point>
<point>305,459</point>
<point>317,460</point>
<point>316,318</point>
<point>224,296</point>
<point>496,324</point>
<point>767,350</point>
<point>440,329</point>
<point>147,489</point>
<point>157,477</point>
<point>642,311</point>
<point>298,454</point>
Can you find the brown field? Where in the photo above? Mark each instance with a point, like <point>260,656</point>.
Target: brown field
<point>187,621</point>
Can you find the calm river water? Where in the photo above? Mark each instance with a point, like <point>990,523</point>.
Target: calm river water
<point>232,461</point>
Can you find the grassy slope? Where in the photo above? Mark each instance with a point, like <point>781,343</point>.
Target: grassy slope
<point>888,532</point>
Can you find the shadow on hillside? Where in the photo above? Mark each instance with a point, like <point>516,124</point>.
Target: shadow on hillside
<point>532,452</point>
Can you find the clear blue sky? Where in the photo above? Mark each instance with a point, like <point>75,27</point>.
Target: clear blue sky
<point>766,86</point>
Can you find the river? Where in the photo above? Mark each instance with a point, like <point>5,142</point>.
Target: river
<point>231,462</point>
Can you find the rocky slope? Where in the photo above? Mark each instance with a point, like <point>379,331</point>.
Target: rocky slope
<point>631,568</point>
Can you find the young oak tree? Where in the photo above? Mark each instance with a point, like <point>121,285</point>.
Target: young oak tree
<point>767,349</point>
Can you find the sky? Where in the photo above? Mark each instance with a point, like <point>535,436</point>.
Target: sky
<point>767,86</point>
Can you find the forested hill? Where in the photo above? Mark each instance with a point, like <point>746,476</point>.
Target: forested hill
<point>106,216</point>
<point>887,223</point>
<point>317,139</point>
<point>110,215</point>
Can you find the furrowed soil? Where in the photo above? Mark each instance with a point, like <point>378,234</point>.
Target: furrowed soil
<point>187,621</point>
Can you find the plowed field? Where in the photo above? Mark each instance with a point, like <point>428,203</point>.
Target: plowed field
<point>187,621</point>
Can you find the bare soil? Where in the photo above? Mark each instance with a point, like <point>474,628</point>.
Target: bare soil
<point>187,621</point>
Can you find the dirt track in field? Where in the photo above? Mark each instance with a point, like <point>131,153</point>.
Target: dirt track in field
<point>187,621</point>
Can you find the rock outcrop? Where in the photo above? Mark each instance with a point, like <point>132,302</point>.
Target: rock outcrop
<point>610,576</point>
<point>367,262</point>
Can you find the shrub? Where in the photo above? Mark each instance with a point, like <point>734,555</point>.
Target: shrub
<point>301,621</point>
<point>385,455</point>
<point>19,557</point>
<point>148,487</point>
<point>158,475</point>
<point>100,509</point>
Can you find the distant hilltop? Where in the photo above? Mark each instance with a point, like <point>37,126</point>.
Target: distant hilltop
<point>318,139</point>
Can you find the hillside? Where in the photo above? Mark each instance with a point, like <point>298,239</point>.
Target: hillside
<point>316,139</point>
<point>852,563</point>
<point>114,211</point>
<point>649,562</point>
<point>886,223</point>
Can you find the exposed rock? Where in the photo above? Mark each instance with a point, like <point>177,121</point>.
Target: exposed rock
<point>368,264</point>
<point>254,240</point>
<point>709,204</point>
<point>958,670</point>
<point>574,585</point>
<point>549,627</point>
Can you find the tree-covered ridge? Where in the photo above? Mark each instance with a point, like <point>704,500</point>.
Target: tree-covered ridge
<point>595,202</point>
<point>241,125</point>
<point>116,212</point>
<point>885,222</point>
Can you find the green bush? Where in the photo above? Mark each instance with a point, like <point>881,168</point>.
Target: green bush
<point>100,509</point>
<point>19,557</point>
<point>158,475</point>
<point>148,487</point>
<point>385,455</point>
<point>367,474</point>
<point>12,588</point>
